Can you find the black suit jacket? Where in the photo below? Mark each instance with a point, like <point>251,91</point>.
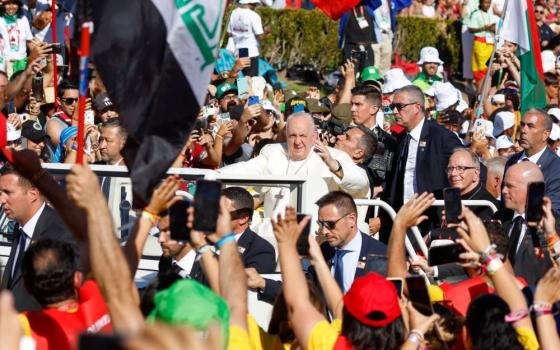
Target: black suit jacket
<point>196,273</point>
<point>549,163</point>
<point>49,225</point>
<point>434,148</point>
<point>256,252</point>
<point>526,263</point>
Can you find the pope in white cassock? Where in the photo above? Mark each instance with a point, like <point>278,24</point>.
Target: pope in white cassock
<point>327,169</point>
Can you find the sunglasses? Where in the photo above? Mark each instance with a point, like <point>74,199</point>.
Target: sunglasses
<point>330,224</point>
<point>69,100</point>
<point>400,106</point>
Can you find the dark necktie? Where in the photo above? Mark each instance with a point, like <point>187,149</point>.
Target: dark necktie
<point>514,238</point>
<point>339,268</point>
<point>21,251</point>
<point>176,269</point>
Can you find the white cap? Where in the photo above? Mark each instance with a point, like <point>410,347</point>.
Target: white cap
<point>430,91</point>
<point>267,106</point>
<point>465,127</point>
<point>555,112</point>
<point>503,142</point>
<point>555,132</point>
<point>13,133</point>
<point>548,60</point>
<point>258,84</point>
<point>394,79</point>
<point>245,2</point>
<point>429,54</point>
<point>462,106</point>
<point>498,98</point>
<point>503,121</point>
<point>446,95</point>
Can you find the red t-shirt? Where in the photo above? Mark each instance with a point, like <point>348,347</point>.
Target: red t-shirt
<point>58,329</point>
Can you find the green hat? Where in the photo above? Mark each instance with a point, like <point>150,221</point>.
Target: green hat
<point>342,112</point>
<point>225,88</point>
<point>190,303</point>
<point>316,106</point>
<point>370,73</point>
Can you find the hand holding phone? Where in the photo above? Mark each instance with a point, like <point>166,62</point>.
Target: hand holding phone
<point>452,204</point>
<point>206,205</point>
<point>418,295</point>
<point>533,206</point>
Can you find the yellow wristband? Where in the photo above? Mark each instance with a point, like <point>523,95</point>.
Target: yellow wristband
<point>146,215</point>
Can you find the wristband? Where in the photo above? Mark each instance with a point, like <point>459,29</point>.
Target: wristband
<point>218,136</point>
<point>148,216</point>
<point>493,265</point>
<point>225,239</point>
<point>489,251</point>
<point>541,308</point>
<point>418,333</point>
<point>516,316</point>
<point>203,249</point>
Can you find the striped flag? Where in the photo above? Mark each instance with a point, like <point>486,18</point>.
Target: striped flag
<point>520,27</point>
<point>155,58</point>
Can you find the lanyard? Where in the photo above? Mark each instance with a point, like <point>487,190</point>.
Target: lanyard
<point>361,16</point>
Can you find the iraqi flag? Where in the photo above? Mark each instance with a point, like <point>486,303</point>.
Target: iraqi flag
<point>155,58</point>
<point>520,27</point>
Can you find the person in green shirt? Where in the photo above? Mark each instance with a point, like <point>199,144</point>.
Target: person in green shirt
<point>430,62</point>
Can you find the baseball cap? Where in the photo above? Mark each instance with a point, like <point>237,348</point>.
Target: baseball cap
<point>245,2</point>
<point>13,133</point>
<point>268,106</point>
<point>446,95</point>
<point>394,79</point>
<point>33,131</point>
<point>503,121</point>
<point>190,303</point>
<point>555,132</point>
<point>102,101</point>
<point>371,73</point>
<point>429,54</point>
<point>555,112</point>
<point>316,106</point>
<point>503,142</point>
<point>373,300</point>
<point>225,89</point>
<point>548,61</point>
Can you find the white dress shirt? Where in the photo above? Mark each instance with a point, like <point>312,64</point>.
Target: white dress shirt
<point>186,263</point>
<point>410,184</point>
<point>28,228</point>
<point>350,260</point>
<point>534,158</point>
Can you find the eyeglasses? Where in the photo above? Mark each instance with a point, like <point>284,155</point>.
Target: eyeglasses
<point>459,169</point>
<point>541,12</point>
<point>329,224</point>
<point>400,106</point>
<point>69,100</point>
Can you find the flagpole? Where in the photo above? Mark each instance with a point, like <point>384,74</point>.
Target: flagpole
<point>485,86</point>
<point>55,67</point>
<point>87,29</point>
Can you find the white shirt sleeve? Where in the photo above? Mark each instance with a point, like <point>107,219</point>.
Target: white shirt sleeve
<point>256,25</point>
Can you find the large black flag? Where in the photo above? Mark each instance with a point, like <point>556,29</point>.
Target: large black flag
<point>155,58</point>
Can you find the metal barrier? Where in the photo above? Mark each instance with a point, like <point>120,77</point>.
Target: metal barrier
<point>389,209</point>
<point>470,203</point>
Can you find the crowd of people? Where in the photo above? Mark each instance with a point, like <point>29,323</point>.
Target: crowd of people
<point>352,277</point>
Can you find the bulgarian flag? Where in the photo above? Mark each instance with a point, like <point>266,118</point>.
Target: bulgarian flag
<point>156,58</point>
<point>520,27</point>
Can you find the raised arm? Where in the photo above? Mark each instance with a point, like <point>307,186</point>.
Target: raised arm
<point>107,260</point>
<point>303,315</point>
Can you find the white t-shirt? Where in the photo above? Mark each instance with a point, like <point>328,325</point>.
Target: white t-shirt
<point>244,25</point>
<point>17,34</point>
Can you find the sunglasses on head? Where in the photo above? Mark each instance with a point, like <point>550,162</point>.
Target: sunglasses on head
<point>69,100</point>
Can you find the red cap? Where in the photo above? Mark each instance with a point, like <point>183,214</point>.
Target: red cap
<point>373,300</point>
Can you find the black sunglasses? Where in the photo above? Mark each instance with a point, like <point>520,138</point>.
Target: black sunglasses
<point>69,100</point>
<point>330,224</point>
<point>400,106</point>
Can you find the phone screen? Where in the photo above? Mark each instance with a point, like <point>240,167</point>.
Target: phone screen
<point>253,100</point>
<point>418,295</point>
<point>398,282</point>
<point>452,203</point>
<point>244,52</point>
<point>535,194</point>
<point>445,254</point>
<point>303,240</point>
<point>242,87</point>
<point>178,221</point>
<point>206,205</point>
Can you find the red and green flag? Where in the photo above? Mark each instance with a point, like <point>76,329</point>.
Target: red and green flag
<point>520,27</point>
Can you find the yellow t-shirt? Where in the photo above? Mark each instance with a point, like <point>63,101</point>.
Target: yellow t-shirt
<point>527,338</point>
<point>324,335</point>
<point>261,340</point>
<point>238,339</point>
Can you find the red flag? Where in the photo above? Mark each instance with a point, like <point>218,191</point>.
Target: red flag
<point>335,8</point>
<point>4,138</point>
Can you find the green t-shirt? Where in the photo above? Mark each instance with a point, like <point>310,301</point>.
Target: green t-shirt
<point>479,19</point>
<point>472,5</point>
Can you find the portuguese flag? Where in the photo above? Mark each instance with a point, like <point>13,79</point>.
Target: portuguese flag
<point>520,27</point>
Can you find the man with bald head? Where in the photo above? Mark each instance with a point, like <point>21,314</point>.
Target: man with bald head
<point>303,155</point>
<point>521,253</point>
<point>534,133</point>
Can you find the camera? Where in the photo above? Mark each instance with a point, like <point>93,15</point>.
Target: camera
<point>332,126</point>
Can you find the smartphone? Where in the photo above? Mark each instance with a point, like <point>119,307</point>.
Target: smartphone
<point>37,88</point>
<point>533,208</point>
<point>200,124</point>
<point>224,117</point>
<point>206,205</point>
<point>89,117</point>
<point>56,47</point>
<point>358,56</point>
<point>242,87</point>
<point>209,110</point>
<point>418,295</point>
<point>243,52</point>
<point>253,100</point>
<point>445,254</point>
<point>452,204</point>
<point>398,282</point>
<point>303,240</point>
<point>178,221</point>
<point>91,341</point>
